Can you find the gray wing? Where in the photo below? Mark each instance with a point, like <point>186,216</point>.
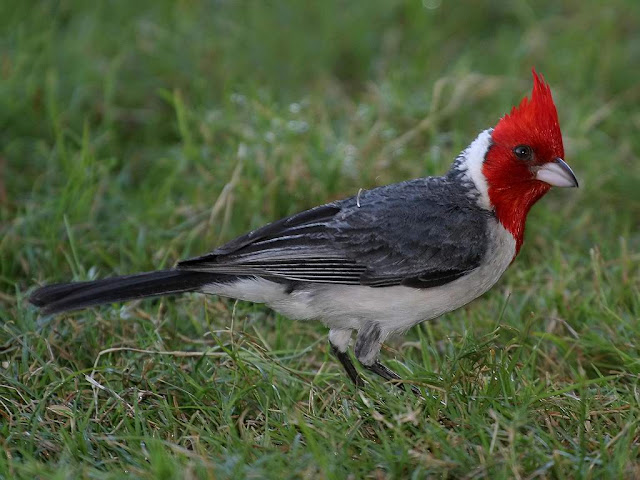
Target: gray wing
<point>420,233</point>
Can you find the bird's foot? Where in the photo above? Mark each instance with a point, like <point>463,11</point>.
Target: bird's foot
<point>391,376</point>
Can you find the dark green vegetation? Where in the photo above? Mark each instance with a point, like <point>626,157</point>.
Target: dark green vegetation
<point>133,134</point>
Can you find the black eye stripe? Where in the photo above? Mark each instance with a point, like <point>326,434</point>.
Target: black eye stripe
<point>523,152</point>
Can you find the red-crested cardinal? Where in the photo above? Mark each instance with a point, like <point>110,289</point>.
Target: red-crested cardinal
<point>384,260</point>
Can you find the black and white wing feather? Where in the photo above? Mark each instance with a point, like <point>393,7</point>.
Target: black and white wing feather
<point>421,233</point>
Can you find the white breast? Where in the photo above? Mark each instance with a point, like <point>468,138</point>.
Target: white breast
<point>396,308</point>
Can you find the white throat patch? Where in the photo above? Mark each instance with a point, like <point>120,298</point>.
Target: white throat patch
<point>470,163</point>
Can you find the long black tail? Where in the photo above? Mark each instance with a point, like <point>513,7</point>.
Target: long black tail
<point>73,296</point>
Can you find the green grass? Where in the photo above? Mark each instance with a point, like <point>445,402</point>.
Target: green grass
<point>134,134</point>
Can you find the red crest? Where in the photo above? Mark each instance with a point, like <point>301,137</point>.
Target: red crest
<point>534,120</point>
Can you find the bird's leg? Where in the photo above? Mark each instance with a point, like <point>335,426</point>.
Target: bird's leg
<point>339,341</point>
<point>367,348</point>
<point>348,366</point>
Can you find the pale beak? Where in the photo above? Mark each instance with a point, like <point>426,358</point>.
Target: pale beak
<point>557,174</point>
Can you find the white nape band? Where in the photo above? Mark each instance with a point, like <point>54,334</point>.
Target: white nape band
<point>472,161</point>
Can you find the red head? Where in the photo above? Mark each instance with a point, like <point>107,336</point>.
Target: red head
<point>525,159</point>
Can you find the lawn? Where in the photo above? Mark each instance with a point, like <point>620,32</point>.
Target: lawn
<point>135,134</point>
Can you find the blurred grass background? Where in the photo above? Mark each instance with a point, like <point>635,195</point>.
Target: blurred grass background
<point>133,134</point>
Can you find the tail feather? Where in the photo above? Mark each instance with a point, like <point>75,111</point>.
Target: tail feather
<point>62,297</point>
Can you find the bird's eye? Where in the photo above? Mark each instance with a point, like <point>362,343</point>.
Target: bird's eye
<point>523,152</point>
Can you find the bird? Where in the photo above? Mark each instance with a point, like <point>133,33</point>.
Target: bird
<point>383,260</point>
